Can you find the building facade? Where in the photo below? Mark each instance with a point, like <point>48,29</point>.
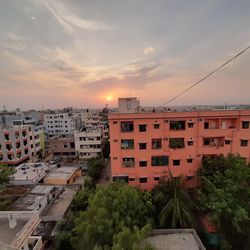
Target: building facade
<point>62,147</point>
<point>146,146</point>
<point>19,143</point>
<point>88,143</point>
<point>58,124</point>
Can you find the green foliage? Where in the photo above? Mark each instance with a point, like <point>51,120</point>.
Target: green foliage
<point>95,167</point>
<point>4,204</point>
<point>175,204</point>
<point>89,183</point>
<point>5,176</point>
<point>225,196</point>
<point>111,209</point>
<point>80,201</point>
<point>132,239</point>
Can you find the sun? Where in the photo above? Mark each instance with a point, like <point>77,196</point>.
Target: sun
<point>109,98</point>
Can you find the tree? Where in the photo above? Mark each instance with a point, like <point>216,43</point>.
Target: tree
<point>95,167</point>
<point>224,195</point>
<point>177,212</point>
<point>5,176</point>
<point>133,239</point>
<point>106,149</point>
<point>111,209</point>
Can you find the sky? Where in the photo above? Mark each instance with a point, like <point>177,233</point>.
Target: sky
<point>82,53</point>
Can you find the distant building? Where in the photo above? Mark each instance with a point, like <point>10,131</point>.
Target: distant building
<point>58,124</point>
<point>146,146</point>
<point>20,143</point>
<point>128,105</point>
<point>62,147</point>
<point>88,143</point>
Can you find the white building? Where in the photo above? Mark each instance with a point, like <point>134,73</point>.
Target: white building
<point>58,124</point>
<point>19,143</point>
<point>128,105</point>
<point>88,143</point>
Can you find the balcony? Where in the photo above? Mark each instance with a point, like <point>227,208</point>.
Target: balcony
<point>214,142</point>
<point>177,125</point>
<point>127,144</point>
<point>128,162</point>
<point>127,127</point>
<point>176,143</point>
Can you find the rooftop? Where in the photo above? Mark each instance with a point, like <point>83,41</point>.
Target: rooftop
<point>62,173</point>
<point>175,239</point>
<point>7,234</point>
<point>31,173</point>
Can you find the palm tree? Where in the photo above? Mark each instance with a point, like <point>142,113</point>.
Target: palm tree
<point>177,212</point>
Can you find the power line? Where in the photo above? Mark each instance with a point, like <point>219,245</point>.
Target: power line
<point>205,77</point>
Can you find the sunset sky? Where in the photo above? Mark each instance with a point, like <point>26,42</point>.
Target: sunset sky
<point>86,53</point>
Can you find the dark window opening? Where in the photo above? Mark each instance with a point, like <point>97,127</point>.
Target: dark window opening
<point>156,178</point>
<point>243,143</point>
<point>189,160</point>
<point>190,124</point>
<point>190,143</point>
<point>142,146</point>
<point>143,163</point>
<point>227,142</point>
<point>143,180</point>
<point>245,124</point>
<point>176,162</point>
<point>142,128</point>
<point>128,162</point>
<point>156,126</point>
<point>131,179</point>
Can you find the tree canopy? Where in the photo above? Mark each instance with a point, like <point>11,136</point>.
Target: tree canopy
<point>224,195</point>
<point>111,209</point>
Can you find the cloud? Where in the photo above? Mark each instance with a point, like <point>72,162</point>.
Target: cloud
<point>14,42</point>
<point>149,50</point>
<point>71,22</point>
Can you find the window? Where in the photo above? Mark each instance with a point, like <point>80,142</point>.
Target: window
<point>227,142</point>
<point>156,126</point>
<point>65,145</point>
<point>159,160</point>
<point>176,162</point>
<point>243,143</point>
<point>156,143</point>
<point>72,145</point>
<point>206,125</point>
<point>115,140</point>
<point>189,160</point>
<point>190,143</point>
<point>143,180</point>
<point>245,124</point>
<point>127,126</point>
<point>143,163</point>
<point>127,144</point>
<point>177,125</point>
<point>176,143</point>
<point>142,128</point>
<point>128,162</point>
<point>115,122</point>
<point>190,124</point>
<point>206,142</point>
<point>156,178</point>
<point>142,146</point>
<point>131,179</point>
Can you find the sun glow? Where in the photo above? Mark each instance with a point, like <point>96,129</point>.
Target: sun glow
<point>109,98</point>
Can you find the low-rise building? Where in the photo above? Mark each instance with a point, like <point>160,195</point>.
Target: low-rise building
<point>19,143</point>
<point>88,143</point>
<point>62,176</point>
<point>62,147</point>
<point>31,173</point>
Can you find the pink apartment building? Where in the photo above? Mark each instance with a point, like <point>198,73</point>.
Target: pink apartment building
<point>145,146</point>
